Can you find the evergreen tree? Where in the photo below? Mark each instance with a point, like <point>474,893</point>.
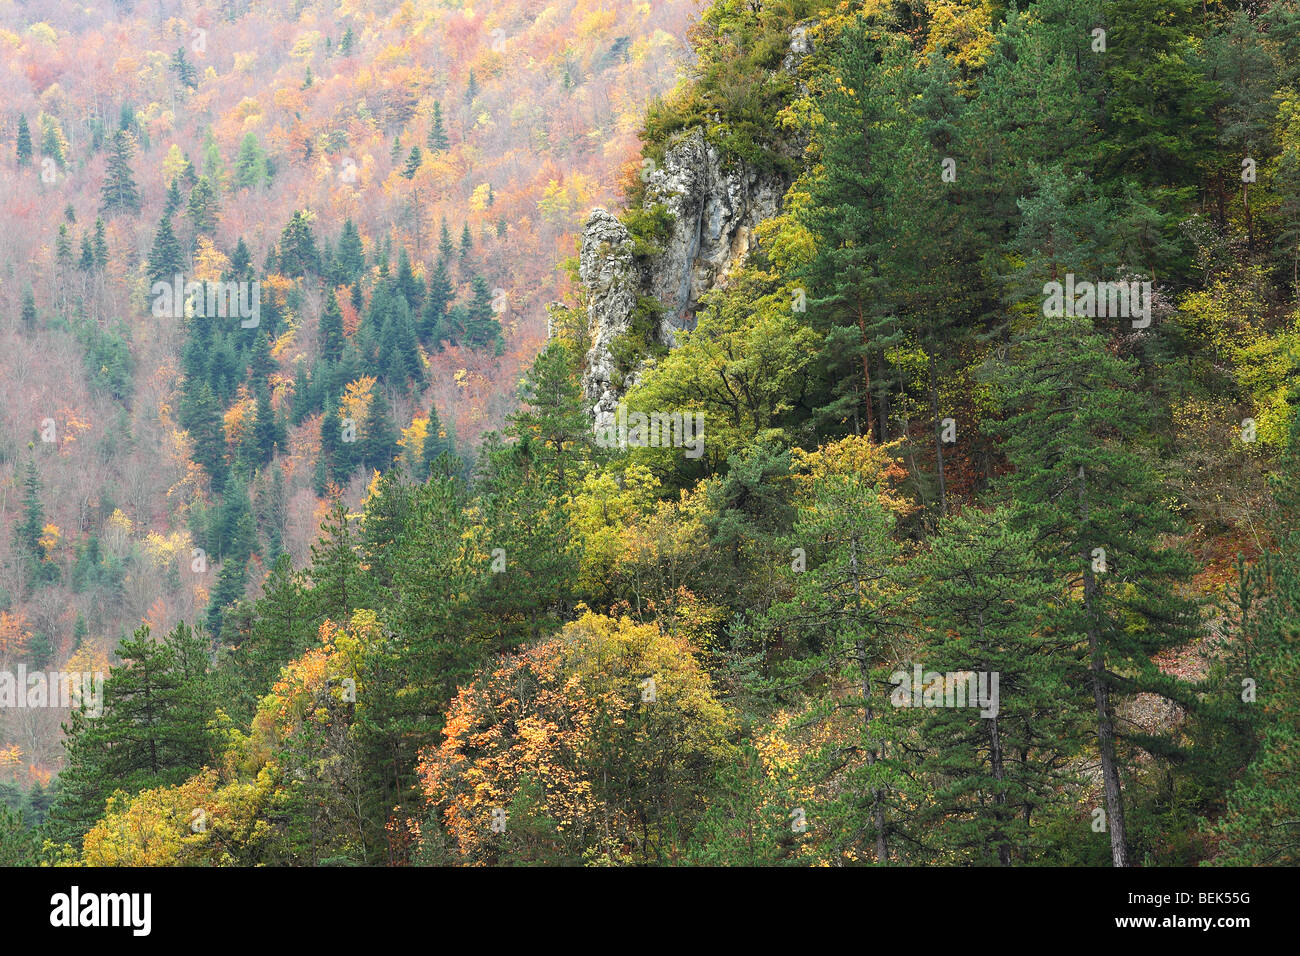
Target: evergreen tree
<point>202,208</point>
<point>100,245</point>
<point>350,258</point>
<point>268,432</point>
<point>413,162</point>
<point>27,533</point>
<point>433,318</point>
<point>119,192</point>
<point>466,244</point>
<point>335,569</point>
<point>201,417</point>
<point>154,731</point>
<point>283,629</point>
<point>28,313</point>
<point>165,258</point>
<point>437,141</point>
<point>552,413</point>
<point>1071,432</point>
<point>298,254</point>
<point>445,248</point>
<point>172,199</point>
<point>377,435</point>
<point>23,147</point>
<point>439,449</point>
<point>251,170</point>
<point>186,75</point>
<point>482,328</point>
<point>331,335</point>
<point>991,769</point>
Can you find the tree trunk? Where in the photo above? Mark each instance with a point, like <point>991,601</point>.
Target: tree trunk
<point>866,374</point>
<point>999,774</point>
<point>1101,700</point>
<point>938,440</point>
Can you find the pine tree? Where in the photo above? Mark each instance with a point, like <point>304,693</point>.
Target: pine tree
<point>377,436</point>
<point>298,255</point>
<point>283,628</point>
<point>241,262</point>
<point>437,141</point>
<point>230,587</point>
<point>330,334</point>
<point>482,328</point>
<point>411,289</point>
<point>154,730</point>
<point>251,170</point>
<point>23,148</point>
<point>86,261</point>
<point>201,417</point>
<point>165,258</point>
<point>433,318</point>
<point>335,569</point>
<point>990,769</point>
<point>184,69</point>
<point>552,413</point>
<point>445,248</point>
<point>100,245</point>
<point>1263,667</point>
<point>27,533</point>
<point>413,162</point>
<point>439,450</point>
<point>466,244</point>
<point>119,192</point>
<point>28,313</point>
<point>268,432</point>
<point>1073,423</point>
<point>839,620</point>
<point>350,258</point>
<point>202,208</point>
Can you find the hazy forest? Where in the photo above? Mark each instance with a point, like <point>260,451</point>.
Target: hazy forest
<point>650,433</point>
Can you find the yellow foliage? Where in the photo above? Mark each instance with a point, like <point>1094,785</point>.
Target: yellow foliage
<point>856,456</point>
<point>43,33</point>
<point>50,538</point>
<point>478,200</point>
<point>239,417</point>
<point>210,263</point>
<point>356,399</point>
<point>165,550</point>
<point>412,438</point>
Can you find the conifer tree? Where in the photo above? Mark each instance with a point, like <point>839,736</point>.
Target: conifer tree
<point>119,193</point>
<point>990,769</point>
<point>331,335</point>
<point>154,731</point>
<point>412,162</point>
<point>1072,427</point>
<point>165,258</point>
<point>437,141</point>
<point>23,147</point>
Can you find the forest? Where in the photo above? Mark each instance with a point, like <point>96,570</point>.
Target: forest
<point>954,520</point>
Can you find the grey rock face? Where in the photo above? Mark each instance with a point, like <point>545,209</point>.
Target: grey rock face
<point>715,207</point>
<point>714,211</point>
<point>613,282</point>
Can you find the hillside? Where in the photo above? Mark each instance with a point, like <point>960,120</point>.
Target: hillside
<point>279,124</point>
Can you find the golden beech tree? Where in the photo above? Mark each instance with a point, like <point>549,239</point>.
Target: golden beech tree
<point>591,746</point>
